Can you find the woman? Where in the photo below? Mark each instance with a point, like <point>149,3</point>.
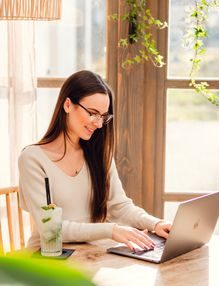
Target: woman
<point>76,155</point>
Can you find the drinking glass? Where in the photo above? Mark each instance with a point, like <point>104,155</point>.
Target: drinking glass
<point>50,232</point>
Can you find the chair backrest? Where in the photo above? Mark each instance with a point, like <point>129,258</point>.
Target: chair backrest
<point>13,216</point>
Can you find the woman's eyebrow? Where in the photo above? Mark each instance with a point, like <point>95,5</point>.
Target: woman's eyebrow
<point>93,109</point>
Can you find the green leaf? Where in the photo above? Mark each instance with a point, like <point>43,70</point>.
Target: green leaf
<point>46,208</point>
<point>194,14</point>
<point>23,270</point>
<point>127,62</point>
<point>137,59</point>
<point>214,99</point>
<point>44,220</point>
<point>125,17</point>
<point>196,60</point>
<point>123,43</point>
<point>164,25</point>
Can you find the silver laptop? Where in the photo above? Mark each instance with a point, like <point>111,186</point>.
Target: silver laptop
<point>192,227</point>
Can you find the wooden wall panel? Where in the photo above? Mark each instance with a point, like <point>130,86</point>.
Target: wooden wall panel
<point>139,116</point>
<point>149,130</point>
<point>128,112</point>
<point>135,113</point>
<point>151,84</point>
<point>129,135</point>
<point>160,140</point>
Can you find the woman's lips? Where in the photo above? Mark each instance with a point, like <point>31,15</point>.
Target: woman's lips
<point>89,130</point>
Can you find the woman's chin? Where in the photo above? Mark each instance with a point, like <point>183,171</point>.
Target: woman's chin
<point>86,137</point>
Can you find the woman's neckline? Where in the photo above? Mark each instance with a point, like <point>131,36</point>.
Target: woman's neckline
<point>57,167</point>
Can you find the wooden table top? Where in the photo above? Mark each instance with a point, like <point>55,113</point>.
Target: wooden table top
<point>198,267</point>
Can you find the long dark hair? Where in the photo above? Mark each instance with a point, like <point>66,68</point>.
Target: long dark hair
<point>98,151</point>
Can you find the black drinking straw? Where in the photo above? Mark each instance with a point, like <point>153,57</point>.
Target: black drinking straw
<point>47,191</point>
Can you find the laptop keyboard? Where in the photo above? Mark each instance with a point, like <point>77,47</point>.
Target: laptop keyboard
<point>153,253</point>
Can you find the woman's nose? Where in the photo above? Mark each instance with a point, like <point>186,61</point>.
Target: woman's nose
<point>98,123</point>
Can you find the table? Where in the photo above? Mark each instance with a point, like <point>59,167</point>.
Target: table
<point>198,267</point>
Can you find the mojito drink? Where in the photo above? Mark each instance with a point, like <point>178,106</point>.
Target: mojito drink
<point>51,227</point>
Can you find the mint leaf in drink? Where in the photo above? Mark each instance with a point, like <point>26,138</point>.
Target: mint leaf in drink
<point>49,207</point>
<point>46,208</point>
<point>44,220</point>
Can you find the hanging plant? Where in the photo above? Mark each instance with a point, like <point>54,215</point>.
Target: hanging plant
<point>194,38</point>
<point>141,24</point>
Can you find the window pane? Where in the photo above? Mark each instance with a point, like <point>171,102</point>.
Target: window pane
<point>191,143</point>
<point>179,64</point>
<point>4,142</point>
<point>170,212</point>
<point>46,100</point>
<point>75,42</point>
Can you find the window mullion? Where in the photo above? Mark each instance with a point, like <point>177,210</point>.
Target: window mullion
<point>180,83</point>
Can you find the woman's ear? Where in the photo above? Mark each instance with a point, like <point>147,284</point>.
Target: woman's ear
<point>67,105</point>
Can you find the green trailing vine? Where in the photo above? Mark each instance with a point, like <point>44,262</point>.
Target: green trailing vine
<point>194,38</point>
<point>141,25</point>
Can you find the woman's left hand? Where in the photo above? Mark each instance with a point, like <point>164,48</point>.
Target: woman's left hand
<point>163,228</point>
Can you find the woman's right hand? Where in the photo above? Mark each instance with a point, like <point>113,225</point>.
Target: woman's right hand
<point>130,235</point>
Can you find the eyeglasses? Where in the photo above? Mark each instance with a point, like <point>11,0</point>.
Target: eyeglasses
<point>96,116</point>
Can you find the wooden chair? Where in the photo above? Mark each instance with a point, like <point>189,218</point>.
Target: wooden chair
<point>13,217</point>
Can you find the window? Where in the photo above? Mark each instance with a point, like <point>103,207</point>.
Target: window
<point>179,55</point>
<point>191,164</point>
<point>74,43</point>
<point>191,143</point>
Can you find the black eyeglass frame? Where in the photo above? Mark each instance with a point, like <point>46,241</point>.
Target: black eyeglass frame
<point>97,116</point>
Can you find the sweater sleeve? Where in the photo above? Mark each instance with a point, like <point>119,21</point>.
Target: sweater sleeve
<point>121,209</point>
<point>32,197</point>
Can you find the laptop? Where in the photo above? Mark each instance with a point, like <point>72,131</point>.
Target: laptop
<point>192,227</point>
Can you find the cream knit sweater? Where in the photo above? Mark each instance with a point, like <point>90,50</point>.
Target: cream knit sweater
<point>72,194</point>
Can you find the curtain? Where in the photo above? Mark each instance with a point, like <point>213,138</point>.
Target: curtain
<point>17,95</point>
